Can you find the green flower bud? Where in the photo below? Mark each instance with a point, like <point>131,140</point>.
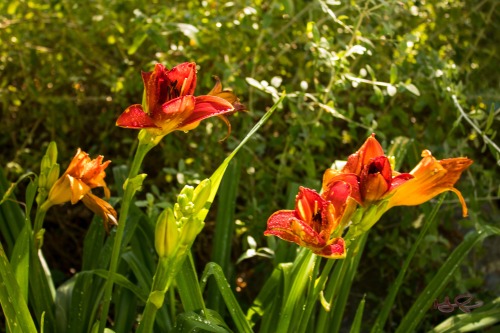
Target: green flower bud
<point>42,182</point>
<point>45,165</point>
<point>188,192</point>
<point>177,212</point>
<point>191,227</point>
<point>52,152</point>
<point>201,195</point>
<point>166,234</point>
<point>52,176</point>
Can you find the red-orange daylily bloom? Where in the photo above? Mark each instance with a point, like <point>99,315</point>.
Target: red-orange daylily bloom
<point>170,104</point>
<point>431,177</point>
<point>373,172</point>
<point>310,224</point>
<point>83,174</point>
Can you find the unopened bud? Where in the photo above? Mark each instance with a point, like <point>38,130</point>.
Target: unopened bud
<point>53,175</point>
<point>45,164</point>
<point>201,195</point>
<point>166,234</point>
<point>42,182</point>
<point>52,152</point>
<point>191,227</point>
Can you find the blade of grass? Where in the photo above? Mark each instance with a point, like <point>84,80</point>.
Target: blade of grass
<point>213,269</point>
<point>437,284</point>
<point>358,318</point>
<point>15,308</point>
<point>389,300</point>
<point>297,287</point>
<point>20,260</point>
<point>224,229</point>
<point>337,312</point>
<point>189,287</point>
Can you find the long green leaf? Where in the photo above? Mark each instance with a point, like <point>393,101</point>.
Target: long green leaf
<point>216,177</point>
<point>389,300</point>
<point>232,304</point>
<point>298,285</point>
<point>338,309</point>
<point>189,288</point>
<point>190,322</point>
<point>20,260</point>
<point>224,229</point>
<point>358,318</point>
<point>435,287</point>
<point>12,300</point>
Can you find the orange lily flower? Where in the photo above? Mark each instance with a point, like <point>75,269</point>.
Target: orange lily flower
<point>170,104</point>
<point>431,177</point>
<point>83,174</point>
<point>369,172</point>
<point>310,225</point>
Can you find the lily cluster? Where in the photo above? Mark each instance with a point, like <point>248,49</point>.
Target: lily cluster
<point>359,194</point>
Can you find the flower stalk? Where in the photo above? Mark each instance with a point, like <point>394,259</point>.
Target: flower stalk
<point>132,184</point>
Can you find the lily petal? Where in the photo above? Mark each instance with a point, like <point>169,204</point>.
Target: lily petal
<point>183,79</point>
<point>336,250</point>
<point>101,208</point>
<point>431,177</point>
<point>370,149</point>
<point>135,117</point>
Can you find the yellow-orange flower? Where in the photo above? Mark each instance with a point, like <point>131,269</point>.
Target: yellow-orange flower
<point>83,174</point>
<point>431,177</point>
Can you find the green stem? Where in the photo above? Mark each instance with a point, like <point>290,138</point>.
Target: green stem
<point>161,281</point>
<point>166,270</point>
<point>146,142</point>
<point>40,216</point>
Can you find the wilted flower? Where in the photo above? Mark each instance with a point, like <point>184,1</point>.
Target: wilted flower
<point>310,224</point>
<point>83,174</point>
<point>169,103</point>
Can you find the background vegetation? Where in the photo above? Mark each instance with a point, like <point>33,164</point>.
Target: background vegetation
<point>350,68</point>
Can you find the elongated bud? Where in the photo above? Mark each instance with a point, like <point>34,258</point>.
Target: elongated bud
<point>45,164</point>
<point>42,182</point>
<point>191,227</point>
<point>201,194</point>
<point>52,152</point>
<point>166,234</point>
<point>53,175</point>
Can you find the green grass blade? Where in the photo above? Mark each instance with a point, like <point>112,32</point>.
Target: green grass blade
<point>12,216</point>
<point>93,244</point>
<point>389,300</point>
<point>189,322</point>
<point>435,287</point>
<point>212,269</point>
<point>358,318</point>
<point>337,312</point>
<point>189,287</point>
<point>12,300</point>
<point>298,285</point>
<point>20,260</point>
<point>216,178</point>
<point>123,282</point>
<point>224,229</point>
<point>266,296</point>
